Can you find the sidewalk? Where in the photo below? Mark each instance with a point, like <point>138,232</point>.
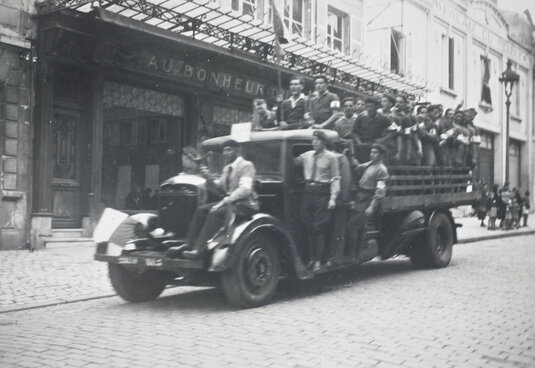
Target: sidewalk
<point>63,275</point>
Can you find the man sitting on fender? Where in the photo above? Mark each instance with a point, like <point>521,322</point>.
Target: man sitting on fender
<point>237,180</point>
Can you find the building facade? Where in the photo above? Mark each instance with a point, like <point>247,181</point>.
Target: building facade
<point>16,56</point>
<point>461,47</point>
<point>120,91</point>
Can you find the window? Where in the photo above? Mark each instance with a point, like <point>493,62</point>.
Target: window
<point>266,157</point>
<point>248,7</point>
<point>448,53</point>
<point>128,133</point>
<point>395,46</point>
<point>157,130</point>
<point>514,149</point>
<point>297,14</point>
<point>337,32</point>
<point>487,141</point>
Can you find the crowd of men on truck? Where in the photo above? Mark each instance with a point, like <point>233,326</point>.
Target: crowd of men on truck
<point>412,133</point>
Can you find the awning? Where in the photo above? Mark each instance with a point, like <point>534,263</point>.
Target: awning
<point>207,21</point>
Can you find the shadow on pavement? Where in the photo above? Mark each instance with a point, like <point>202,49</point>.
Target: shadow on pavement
<point>209,300</point>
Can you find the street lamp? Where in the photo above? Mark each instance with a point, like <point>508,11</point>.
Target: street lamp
<point>509,78</point>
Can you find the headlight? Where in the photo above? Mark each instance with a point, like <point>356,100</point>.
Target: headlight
<point>130,246</point>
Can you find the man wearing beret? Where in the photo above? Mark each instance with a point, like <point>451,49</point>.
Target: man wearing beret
<point>369,128</point>
<point>371,189</point>
<point>237,182</point>
<point>322,175</point>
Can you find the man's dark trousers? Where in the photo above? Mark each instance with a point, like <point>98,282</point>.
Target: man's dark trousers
<point>208,221</point>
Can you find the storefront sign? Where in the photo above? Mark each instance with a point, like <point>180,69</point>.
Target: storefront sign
<point>205,74</point>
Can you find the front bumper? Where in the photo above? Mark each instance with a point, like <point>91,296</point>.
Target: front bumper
<point>152,260</point>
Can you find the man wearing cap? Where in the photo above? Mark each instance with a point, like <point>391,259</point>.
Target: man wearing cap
<point>325,106</point>
<point>237,182</point>
<point>371,189</point>
<point>322,175</point>
<point>369,128</point>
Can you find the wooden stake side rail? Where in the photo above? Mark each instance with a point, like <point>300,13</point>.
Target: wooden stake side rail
<point>420,187</point>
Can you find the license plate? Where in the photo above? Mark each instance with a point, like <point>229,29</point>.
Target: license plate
<point>153,262</point>
<point>127,260</point>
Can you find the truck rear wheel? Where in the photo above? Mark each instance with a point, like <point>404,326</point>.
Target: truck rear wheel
<point>253,279</point>
<point>434,248</point>
<point>135,287</point>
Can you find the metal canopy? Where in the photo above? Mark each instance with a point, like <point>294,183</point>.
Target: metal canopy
<point>207,21</point>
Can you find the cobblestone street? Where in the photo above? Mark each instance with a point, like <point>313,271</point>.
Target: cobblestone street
<point>478,312</point>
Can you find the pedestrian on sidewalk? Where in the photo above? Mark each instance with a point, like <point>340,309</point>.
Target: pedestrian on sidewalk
<point>526,208</point>
<point>503,197</point>
<point>515,209</point>
<point>494,209</point>
<point>482,205</point>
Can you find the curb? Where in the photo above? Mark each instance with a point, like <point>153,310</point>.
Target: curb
<point>51,303</point>
<point>494,236</point>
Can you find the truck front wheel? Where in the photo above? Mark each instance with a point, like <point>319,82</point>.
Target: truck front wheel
<point>253,279</point>
<point>136,287</point>
<point>434,248</point>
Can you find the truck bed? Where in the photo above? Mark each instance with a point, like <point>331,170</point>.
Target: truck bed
<point>421,187</point>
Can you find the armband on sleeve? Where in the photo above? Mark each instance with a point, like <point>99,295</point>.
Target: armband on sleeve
<point>335,104</point>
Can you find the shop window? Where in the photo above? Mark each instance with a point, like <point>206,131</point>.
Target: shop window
<point>157,130</point>
<point>142,132</point>
<point>297,17</point>
<point>337,30</point>
<point>128,132</point>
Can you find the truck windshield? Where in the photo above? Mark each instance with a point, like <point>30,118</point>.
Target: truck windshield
<point>264,155</point>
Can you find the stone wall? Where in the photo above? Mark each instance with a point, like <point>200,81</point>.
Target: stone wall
<point>16,30</point>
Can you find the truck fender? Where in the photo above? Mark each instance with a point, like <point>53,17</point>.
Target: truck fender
<point>447,212</point>
<point>225,253</point>
<point>410,225</point>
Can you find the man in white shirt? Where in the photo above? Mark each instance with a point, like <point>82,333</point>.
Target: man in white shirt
<point>237,181</point>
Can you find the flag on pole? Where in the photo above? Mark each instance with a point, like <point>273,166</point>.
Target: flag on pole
<point>281,33</point>
<point>486,96</point>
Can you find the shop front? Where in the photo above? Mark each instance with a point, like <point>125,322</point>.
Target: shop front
<point>116,106</point>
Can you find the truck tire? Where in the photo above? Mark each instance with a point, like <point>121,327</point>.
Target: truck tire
<point>135,287</point>
<point>434,248</point>
<point>253,279</point>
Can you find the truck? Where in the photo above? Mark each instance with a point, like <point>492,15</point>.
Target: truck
<point>249,255</point>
